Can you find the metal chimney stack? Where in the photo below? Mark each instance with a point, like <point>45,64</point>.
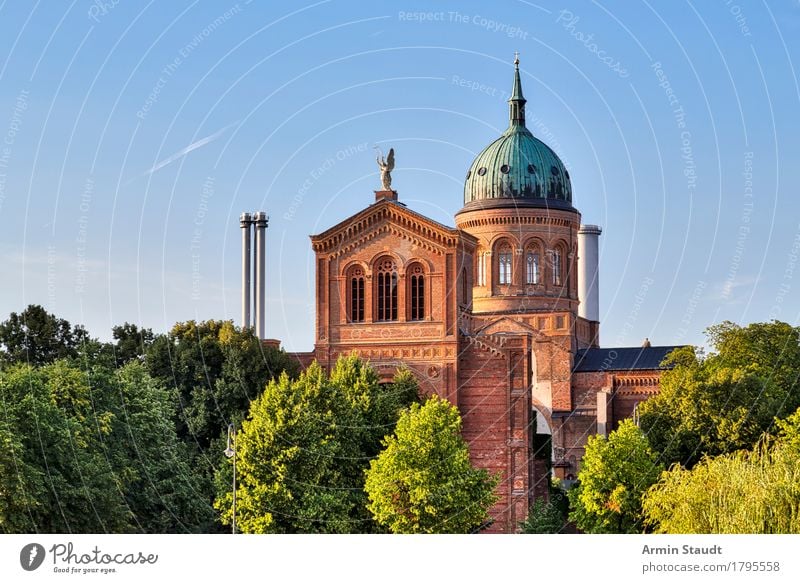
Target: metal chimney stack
<point>260,220</point>
<point>254,263</point>
<point>588,272</point>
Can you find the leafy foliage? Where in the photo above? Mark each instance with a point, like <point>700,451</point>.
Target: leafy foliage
<point>92,451</point>
<point>302,452</point>
<point>544,517</point>
<point>726,401</point>
<point>615,472</point>
<point>217,370</point>
<point>423,482</point>
<point>35,336</point>
<point>131,342</point>
<point>744,492</point>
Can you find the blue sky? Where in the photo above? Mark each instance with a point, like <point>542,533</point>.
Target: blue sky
<point>134,134</point>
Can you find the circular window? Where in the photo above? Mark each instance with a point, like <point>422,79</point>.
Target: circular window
<point>505,168</point>
<point>531,168</point>
<point>469,173</point>
<point>481,171</point>
<point>554,170</point>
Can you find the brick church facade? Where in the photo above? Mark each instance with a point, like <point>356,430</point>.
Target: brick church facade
<point>498,314</point>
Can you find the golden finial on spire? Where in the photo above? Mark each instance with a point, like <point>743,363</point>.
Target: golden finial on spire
<point>516,58</point>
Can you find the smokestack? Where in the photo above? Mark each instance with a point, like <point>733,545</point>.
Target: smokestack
<point>588,272</point>
<point>260,220</point>
<point>246,223</point>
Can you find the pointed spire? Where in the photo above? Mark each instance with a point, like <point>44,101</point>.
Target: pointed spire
<point>516,103</point>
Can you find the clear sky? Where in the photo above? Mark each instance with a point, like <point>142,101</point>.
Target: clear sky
<point>133,134</point>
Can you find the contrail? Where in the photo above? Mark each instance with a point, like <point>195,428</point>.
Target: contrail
<point>184,151</point>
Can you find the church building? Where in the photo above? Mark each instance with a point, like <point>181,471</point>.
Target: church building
<point>498,314</point>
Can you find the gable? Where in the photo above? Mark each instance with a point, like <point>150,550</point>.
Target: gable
<point>506,325</point>
<point>392,218</point>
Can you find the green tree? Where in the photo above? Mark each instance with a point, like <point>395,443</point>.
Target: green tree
<point>61,480</point>
<point>725,401</point>
<point>744,492</point>
<point>217,370</point>
<point>93,450</point>
<point>615,472</point>
<point>423,481</point>
<point>544,517</point>
<point>162,488</point>
<point>35,336</point>
<point>131,342</point>
<point>302,452</point>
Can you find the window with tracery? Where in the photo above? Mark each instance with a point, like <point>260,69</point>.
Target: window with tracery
<point>504,258</point>
<point>557,267</point>
<point>532,267</point>
<point>416,289</point>
<point>355,296</point>
<point>386,290</point>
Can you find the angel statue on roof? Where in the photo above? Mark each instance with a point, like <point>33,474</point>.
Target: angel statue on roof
<point>386,165</point>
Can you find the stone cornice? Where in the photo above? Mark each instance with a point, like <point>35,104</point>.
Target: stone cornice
<point>485,220</point>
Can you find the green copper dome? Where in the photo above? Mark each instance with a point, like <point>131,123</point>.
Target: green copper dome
<point>517,169</point>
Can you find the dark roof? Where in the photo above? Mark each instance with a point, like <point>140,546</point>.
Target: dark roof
<point>628,358</point>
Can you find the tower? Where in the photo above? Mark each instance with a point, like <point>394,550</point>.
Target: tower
<point>518,204</point>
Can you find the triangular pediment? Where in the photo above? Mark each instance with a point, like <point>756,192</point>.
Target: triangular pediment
<point>507,325</point>
<point>388,217</point>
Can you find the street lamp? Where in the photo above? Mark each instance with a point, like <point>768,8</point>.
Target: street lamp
<point>230,452</point>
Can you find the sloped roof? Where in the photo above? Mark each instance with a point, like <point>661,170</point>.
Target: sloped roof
<point>617,359</point>
<point>351,231</point>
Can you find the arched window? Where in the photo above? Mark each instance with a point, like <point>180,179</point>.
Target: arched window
<point>355,294</point>
<point>504,258</point>
<point>532,266</point>
<point>556,267</point>
<point>482,268</point>
<point>386,290</point>
<point>416,292</point>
